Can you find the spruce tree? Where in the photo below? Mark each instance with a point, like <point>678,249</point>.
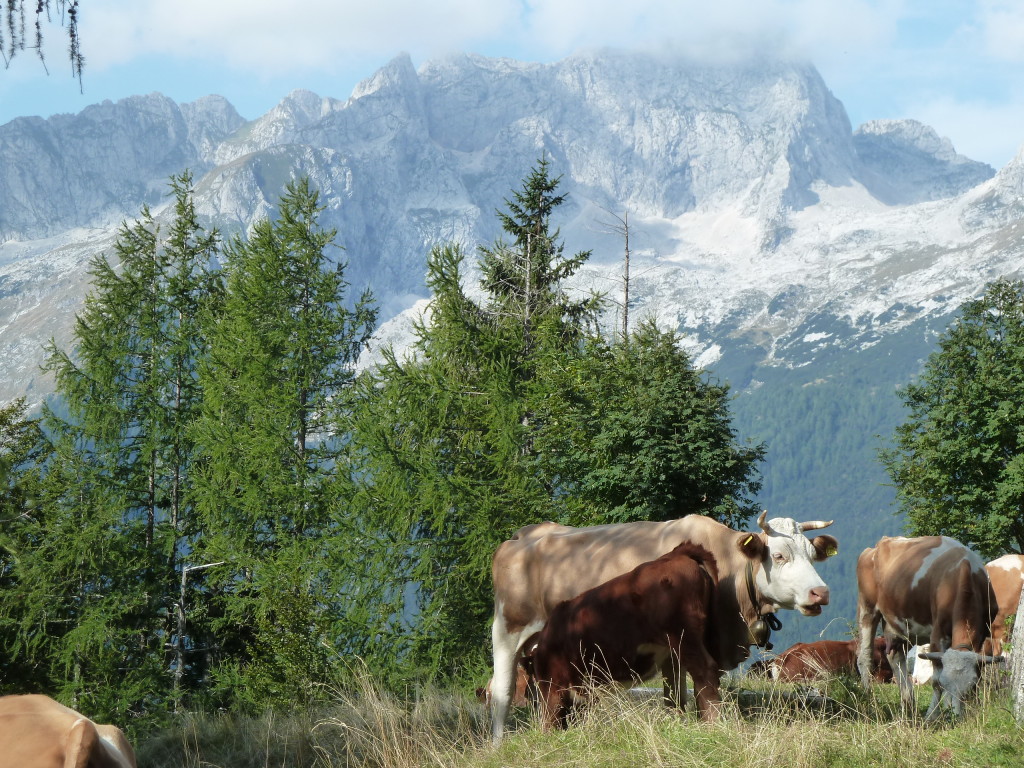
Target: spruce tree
<point>272,490</point>
<point>632,431</point>
<point>448,435</point>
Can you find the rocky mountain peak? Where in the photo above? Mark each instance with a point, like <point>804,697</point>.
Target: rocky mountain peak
<point>752,200</point>
<point>905,161</point>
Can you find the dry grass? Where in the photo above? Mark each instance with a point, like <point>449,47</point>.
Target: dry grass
<point>763,726</point>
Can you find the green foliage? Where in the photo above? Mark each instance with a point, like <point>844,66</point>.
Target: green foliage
<point>511,411</point>
<point>447,436</point>
<point>95,563</point>
<point>271,491</point>
<point>21,446</point>
<point>958,459</point>
<point>633,432</point>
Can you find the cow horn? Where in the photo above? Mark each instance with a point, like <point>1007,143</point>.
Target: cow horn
<point>813,525</point>
<point>763,523</point>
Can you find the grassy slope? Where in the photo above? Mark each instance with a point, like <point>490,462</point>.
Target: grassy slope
<point>368,728</point>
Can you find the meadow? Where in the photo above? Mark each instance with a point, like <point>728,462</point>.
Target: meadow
<point>764,724</point>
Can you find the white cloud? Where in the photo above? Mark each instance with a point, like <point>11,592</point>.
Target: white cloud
<point>947,62</point>
<point>990,132</point>
<point>268,35</point>
<point>1002,23</point>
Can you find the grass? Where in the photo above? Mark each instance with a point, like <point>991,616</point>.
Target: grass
<point>763,725</point>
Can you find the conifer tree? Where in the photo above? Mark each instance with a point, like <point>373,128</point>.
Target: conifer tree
<point>98,565</point>
<point>21,444</point>
<point>277,384</point>
<point>447,436</point>
<point>632,431</point>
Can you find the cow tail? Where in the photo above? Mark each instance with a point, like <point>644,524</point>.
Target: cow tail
<point>81,744</point>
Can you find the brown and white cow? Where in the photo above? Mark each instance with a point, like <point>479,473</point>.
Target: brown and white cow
<point>544,564</point>
<point>38,732</point>
<point>1007,576</point>
<point>809,661</point>
<point>627,629</point>
<point>930,589</point>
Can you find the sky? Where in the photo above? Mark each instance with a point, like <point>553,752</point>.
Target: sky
<point>956,65</point>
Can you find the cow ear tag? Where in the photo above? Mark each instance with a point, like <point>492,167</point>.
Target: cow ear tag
<point>831,552</point>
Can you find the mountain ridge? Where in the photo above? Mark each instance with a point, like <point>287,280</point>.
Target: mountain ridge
<point>747,177</point>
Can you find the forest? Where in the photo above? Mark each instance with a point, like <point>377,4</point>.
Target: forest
<point>216,510</point>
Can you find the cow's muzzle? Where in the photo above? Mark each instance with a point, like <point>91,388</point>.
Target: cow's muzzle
<point>816,598</point>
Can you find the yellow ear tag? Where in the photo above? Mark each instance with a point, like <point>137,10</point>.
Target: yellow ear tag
<point>747,540</point>
<point>831,551</point>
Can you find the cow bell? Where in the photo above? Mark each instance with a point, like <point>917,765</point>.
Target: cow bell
<point>761,630</point>
<point>759,634</point>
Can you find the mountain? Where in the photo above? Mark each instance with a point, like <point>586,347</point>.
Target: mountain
<point>809,264</point>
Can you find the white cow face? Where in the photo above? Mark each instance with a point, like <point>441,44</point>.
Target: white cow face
<point>787,577</point>
<point>955,674</point>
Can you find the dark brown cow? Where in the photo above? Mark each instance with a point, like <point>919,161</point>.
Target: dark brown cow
<point>38,732</point>
<point>1007,576</point>
<point>930,589</point>
<point>760,573</point>
<point>809,661</point>
<point>628,628</point>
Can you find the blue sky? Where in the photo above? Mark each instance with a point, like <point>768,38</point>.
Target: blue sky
<point>956,65</point>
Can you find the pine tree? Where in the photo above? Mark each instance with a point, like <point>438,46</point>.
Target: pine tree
<point>277,386</point>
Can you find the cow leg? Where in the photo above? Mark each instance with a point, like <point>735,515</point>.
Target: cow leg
<point>896,652</point>
<point>868,618</point>
<point>506,656</point>
<point>707,678</point>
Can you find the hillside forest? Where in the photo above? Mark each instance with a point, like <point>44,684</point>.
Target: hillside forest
<point>217,510</point>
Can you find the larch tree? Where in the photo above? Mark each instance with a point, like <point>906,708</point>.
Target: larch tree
<point>18,17</point>
<point>273,486</point>
<point>98,563</point>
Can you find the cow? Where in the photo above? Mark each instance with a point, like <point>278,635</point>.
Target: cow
<point>1007,575</point>
<point>930,589</point>
<point>627,629</point>
<point>523,695</point>
<point>38,732</point>
<point>546,563</point>
<point>809,661</point>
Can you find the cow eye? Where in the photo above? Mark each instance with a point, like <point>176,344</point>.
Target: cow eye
<point>778,557</point>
